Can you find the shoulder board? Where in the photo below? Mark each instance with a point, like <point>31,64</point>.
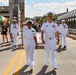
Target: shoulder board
<point>53,26</point>
<point>33,31</point>
<point>46,25</point>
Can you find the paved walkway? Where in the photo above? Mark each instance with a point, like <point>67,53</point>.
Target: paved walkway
<point>14,62</point>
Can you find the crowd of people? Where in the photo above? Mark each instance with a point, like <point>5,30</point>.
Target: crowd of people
<point>53,36</point>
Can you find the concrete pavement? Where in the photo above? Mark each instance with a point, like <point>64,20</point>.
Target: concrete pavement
<point>14,62</point>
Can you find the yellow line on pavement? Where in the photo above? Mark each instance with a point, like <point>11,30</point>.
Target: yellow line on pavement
<point>12,63</point>
<point>19,64</point>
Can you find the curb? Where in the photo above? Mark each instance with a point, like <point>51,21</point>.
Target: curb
<point>72,36</point>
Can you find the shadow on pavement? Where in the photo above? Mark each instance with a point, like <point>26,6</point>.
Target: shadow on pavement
<point>29,72</point>
<point>43,70</point>
<point>21,71</point>
<point>59,49</point>
<point>51,73</point>
<point>7,44</point>
<point>40,46</point>
<point>5,49</point>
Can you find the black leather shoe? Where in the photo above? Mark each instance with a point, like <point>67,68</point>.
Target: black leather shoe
<point>54,68</point>
<point>31,71</point>
<point>64,47</point>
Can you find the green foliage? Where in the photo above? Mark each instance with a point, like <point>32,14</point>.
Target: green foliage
<point>27,18</point>
<point>44,18</point>
<point>55,17</point>
<point>1,22</point>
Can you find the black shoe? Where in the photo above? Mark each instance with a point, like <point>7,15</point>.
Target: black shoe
<point>46,65</point>
<point>64,47</point>
<point>54,69</point>
<point>14,46</point>
<point>31,71</point>
<point>59,46</point>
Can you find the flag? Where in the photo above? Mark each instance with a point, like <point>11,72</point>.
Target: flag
<point>2,18</point>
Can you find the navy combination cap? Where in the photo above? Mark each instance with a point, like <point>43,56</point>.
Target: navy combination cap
<point>49,14</point>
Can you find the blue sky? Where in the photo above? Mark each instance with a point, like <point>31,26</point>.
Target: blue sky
<point>31,2</point>
<point>41,7</point>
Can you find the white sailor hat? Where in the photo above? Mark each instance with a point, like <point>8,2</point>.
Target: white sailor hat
<point>24,23</point>
<point>29,22</point>
<point>14,17</point>
<point>14,20</point>
<point>63,21</point>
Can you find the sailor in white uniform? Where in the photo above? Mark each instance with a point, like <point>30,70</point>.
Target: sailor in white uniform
<point>50,29</point>
<point>30,43</point>
<point>63,31</point>
<point>14,30</point>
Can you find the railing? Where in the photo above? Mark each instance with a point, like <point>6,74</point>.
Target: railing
<point>72,31</point>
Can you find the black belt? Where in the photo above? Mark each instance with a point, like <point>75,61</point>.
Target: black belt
<point>50,38</point>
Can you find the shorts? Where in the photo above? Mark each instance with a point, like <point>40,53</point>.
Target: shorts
<point>3,33</point>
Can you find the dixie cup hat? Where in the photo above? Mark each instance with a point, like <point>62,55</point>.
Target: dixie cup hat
<point>63,21</point>
<point>14,20</point>
<point>29,22</point>
<point>24,23</point>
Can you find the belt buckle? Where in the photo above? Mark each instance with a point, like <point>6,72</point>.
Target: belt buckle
<point>50,38</point>
<point>29,39</point>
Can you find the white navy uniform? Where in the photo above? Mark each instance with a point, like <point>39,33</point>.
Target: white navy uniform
<point>24,28</point>
<point>63,30</point>
<point>14,30</point>
<point>50,41</point>
<point>29,45</point>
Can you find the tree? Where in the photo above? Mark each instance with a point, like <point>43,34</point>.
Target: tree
<point>27,18</point>
<point>1,22</point>
<point>42,19</point>
<point>55,17</point>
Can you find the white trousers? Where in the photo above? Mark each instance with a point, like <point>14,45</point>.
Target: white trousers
<point>14,39</point>
<point>30,47</point>
<point>50,45</point>
<point>63,38</point>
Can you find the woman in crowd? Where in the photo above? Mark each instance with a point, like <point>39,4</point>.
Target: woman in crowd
<point>4,32</point>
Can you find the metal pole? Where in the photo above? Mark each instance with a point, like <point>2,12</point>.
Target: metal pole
<point>22,18</point>
<point>21,29</point>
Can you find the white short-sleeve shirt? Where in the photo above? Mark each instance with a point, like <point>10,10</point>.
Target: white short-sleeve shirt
<point>29,34</point>
<point>14,28</point>
<point>63,29</point>
<point>50,29</point>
